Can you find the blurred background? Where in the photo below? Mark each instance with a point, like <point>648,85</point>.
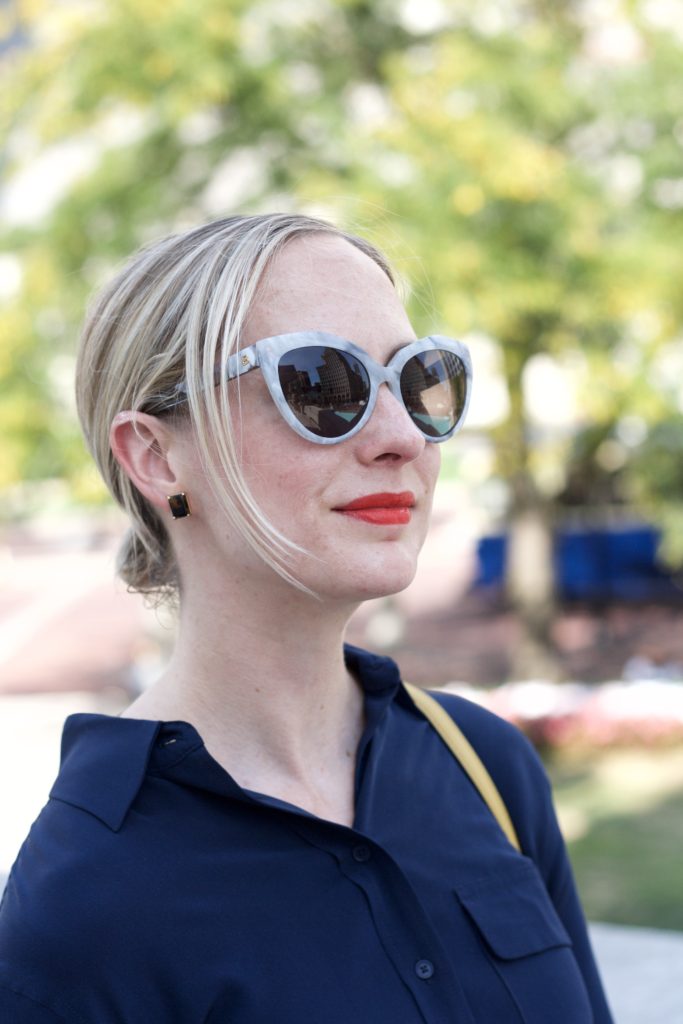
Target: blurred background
<point>521,162</point>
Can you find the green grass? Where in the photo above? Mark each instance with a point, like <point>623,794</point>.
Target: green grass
<point>622,815</point>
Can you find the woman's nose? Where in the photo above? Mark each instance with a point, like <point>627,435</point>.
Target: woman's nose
<point>390,432</point>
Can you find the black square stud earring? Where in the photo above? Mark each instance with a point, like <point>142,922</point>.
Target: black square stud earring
<point>179,505</point>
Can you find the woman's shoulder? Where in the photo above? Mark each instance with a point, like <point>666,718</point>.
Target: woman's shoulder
<point>509,757</point>
<point>499,742</point>
<point>76,906</point>
<point>48,919</point>
<point>75,864</point>
<point>516,769</point>
<point>69,869</point>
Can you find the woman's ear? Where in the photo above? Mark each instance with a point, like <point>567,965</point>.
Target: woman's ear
<point>143,446</point>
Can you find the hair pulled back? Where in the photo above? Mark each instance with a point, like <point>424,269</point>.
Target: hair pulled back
<point>173,313</point>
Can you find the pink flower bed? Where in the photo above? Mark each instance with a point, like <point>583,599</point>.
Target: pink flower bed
<point>645,712</point>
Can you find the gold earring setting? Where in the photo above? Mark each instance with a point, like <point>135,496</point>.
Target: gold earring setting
<point>179,505</point>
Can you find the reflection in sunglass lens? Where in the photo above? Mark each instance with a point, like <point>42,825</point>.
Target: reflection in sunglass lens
<point>326,389</point>
<point>434,388</point>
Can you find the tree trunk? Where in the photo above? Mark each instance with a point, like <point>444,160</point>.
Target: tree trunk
<point>530,571</point>
<point>530,584</point>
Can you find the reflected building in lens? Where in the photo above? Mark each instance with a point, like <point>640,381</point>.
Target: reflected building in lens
<point>340,383</point>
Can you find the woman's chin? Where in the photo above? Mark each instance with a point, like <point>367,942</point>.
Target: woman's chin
<point>366,582</point>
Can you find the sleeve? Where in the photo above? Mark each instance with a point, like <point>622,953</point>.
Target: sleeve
<point>518,773</point>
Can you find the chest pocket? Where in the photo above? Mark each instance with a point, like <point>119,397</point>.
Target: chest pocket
<point>527,944</point>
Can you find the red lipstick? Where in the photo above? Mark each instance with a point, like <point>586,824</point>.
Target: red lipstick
<point>381,509</point>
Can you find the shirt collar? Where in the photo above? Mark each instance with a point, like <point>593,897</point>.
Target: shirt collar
<point>104,759</point>
<point>375,673</point>
<point>103,763</point>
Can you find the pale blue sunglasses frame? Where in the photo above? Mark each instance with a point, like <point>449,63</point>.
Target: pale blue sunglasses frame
<point>267,353</point>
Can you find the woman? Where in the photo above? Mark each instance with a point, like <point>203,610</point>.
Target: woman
<point>273,832</point>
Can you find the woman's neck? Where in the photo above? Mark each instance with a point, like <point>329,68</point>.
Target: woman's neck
<point>264,683</point>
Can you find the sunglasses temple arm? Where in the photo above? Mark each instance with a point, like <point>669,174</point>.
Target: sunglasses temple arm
<point>238,363</point>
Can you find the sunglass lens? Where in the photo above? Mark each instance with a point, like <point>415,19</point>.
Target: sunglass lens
<point>434,389</point>
<point>326,389</point>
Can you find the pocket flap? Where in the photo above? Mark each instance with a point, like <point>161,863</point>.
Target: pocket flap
<point>513,912</point>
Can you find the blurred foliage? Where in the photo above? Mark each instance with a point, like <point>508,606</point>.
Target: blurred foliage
<point>522,170</point>
<point>621,814</point>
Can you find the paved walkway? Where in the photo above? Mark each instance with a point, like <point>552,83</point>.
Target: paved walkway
<point>642,970</point>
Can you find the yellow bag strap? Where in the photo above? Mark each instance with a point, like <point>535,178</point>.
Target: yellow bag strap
<point>465,753</point>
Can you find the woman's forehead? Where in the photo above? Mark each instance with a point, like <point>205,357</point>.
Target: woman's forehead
<point>324,283</point>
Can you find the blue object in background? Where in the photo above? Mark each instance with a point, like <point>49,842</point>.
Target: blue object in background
<point>593,564</point>
<point>491,555</point>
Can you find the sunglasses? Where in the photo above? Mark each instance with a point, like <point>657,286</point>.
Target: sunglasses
<point>326,387</point>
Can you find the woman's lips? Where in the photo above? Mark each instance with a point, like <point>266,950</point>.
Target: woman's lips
<point>379,516</point>
<point>381,509</point>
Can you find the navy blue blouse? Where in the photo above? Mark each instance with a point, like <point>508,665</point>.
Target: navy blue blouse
<point>152,889</point>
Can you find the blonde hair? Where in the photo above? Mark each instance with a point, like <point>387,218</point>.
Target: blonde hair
<point>174,313</point>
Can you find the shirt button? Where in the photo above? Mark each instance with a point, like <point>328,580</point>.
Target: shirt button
<point>424,969</point>
<point>361,853</point>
